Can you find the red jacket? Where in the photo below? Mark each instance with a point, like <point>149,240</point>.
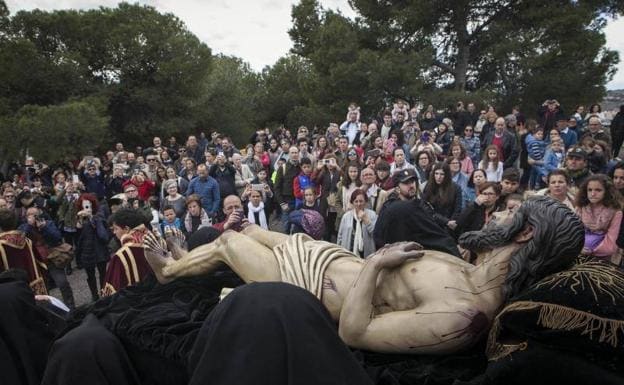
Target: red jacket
<point>145,190</point>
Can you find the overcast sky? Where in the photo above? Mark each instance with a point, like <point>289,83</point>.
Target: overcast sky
<point>256,31</point>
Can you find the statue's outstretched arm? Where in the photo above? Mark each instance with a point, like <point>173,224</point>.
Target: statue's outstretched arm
<point>439,330</point>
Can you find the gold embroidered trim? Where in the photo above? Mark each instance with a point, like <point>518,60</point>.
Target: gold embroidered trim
<point>108,290</point>
<point>503,350</point>
<point>38,286</point>
<point>122,258</point>
<point>557,317</point>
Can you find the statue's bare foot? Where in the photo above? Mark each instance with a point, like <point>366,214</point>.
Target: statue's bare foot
<point>157,255</point>
<point>176,242</point>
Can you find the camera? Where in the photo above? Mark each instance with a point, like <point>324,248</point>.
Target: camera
<point>425,137</point>
<point>374,153</point>
<point>257,187</point>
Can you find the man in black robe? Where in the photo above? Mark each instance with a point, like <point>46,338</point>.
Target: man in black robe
<point>412,221</point>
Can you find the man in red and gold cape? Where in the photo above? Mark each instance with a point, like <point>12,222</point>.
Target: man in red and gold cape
<point>16,251</point>
<point>128,265</point>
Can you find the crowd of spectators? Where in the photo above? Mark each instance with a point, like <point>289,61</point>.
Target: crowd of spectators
<point>332,183</point>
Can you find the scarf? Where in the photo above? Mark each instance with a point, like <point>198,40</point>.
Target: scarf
<point>261,214</point>
<point>358,239</point>
<point>204,219</point>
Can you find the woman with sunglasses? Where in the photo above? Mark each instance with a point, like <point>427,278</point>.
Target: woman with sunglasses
<point>472,145</point>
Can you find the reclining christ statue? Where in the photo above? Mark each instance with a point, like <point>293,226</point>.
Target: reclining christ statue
<point>402,299</point>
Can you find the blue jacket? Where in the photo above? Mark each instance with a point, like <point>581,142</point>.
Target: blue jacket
<point>177,224</point>
<point>551,162</point>
<point>50,233</point>
<point>569,139</point>
<point>535,148</point>
<point>94,184</point>
<point>208,190</point>
<point>473,148</point>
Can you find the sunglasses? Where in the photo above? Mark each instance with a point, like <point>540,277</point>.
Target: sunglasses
<point>151,160</point>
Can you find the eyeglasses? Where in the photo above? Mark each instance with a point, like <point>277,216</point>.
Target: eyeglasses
<point>151,160</point>
<point>454,163</point>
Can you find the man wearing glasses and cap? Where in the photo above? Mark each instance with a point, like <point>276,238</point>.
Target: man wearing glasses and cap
<point>576,166</point>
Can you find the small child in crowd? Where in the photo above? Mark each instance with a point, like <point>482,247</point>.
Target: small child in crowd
<point>536,148</point>
<point>169,219</point>
<point>302,181</point>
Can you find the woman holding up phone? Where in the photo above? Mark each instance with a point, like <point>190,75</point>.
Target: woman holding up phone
<point>92,241</point>
<point>327,175</point>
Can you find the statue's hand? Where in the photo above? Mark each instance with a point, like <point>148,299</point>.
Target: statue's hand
<point>396,254</point>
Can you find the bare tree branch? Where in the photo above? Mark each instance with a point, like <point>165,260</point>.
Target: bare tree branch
<point>443,66</point>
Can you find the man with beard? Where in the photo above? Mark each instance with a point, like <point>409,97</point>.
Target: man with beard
<point>403,286</point>
<point>405,188</point>
<point>412,220</point>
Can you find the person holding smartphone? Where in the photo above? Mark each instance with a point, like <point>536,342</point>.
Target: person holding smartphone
<point>45,236</point>
<point>326,176</point>
<point>91,241</point>
<point>235,218</point>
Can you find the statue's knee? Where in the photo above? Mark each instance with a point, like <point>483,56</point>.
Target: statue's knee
<point>252,228</point>
<point>230,236</point>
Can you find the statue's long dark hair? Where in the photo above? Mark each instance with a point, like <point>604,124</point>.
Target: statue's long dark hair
<point>558,237</point>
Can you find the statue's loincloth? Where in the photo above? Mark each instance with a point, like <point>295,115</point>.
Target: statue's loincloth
<point>303,261</point>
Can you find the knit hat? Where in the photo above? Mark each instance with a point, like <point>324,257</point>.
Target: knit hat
<point>313,223</point>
